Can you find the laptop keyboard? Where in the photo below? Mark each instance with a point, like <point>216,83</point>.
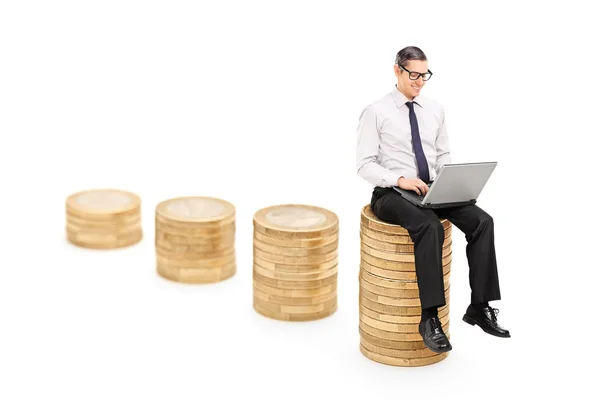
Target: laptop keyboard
<point>417,196</point>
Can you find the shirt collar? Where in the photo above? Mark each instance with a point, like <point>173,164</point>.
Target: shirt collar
<point>401,99</point>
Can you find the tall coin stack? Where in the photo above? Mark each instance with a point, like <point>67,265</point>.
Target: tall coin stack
<point>295,262</point>
<point>389,304</point>
<point>195,239</point>
<point>103,219</point>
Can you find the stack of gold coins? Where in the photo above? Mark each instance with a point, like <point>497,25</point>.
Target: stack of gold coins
<point>195,239</point>
<point>103,219</point>
<point>389,304</point>
<point>295,262</point>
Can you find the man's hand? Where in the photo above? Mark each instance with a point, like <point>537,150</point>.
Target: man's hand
<point>416,185</point>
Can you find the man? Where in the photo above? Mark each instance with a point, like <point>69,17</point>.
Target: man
<point>403,141</point>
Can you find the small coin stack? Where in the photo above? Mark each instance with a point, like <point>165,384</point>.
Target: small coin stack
<point>195,239</point>
<point>295,262</point>
<point>103,219</point>
<point>389,304</point>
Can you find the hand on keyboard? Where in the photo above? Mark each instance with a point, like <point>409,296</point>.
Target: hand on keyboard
<point>416,185</point>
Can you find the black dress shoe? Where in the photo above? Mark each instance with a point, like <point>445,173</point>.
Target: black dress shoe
<point>433,335</point>
<point>486,320</point>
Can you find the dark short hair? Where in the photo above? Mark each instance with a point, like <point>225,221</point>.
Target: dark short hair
<point>409,53</point>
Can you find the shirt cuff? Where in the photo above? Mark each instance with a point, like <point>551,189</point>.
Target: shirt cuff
<point>391,179</point>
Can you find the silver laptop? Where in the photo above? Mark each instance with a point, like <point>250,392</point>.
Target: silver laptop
<point>456,185</point>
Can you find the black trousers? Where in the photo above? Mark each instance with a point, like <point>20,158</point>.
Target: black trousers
<point>427,233</point>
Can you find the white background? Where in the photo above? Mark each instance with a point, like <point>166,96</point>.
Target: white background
<point>257,103</point>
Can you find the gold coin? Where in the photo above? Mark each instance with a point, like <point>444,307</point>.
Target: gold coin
<point>179,239</point>
<point>104,241</point>
<point>213,228</point>
<point>295,267</point>
<point>401,275</point>
<point>104,222</point>
<point>294,301</point>
<point>281,284</point>
<point>397,319</point>
<point>203,248</point>
<point>294,293</point>
<point>392,238</point>
<point>195,211</point>
<point>395,301</point>
<point>376,244</point>
<point>193,252</point>
<point>394,284</point>
<point>296,242</point>
<point>395,293</point>
<point>396,265</point>
<point>294,317</point>
<point>293,260</point>
<point>384,237</point>
<point>195,275</point>
<point>195,262</point>
<point>103,203</point>
<point>295,276</point>
<point>392,344</point>
<point>196,228</point>
<point>401,257</point>
<point>295,221</point>
<point>94,231</point>
<point>394,310</point>
<point>295,251</point>
<point>396,248</point>
<point>301,309</point>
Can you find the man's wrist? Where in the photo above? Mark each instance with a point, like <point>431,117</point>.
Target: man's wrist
<point>399,179</point>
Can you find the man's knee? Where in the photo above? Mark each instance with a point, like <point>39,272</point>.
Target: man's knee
<point>485,219</point>
<point>483,222</point>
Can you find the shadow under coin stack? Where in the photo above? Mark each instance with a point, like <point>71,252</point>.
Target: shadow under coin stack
<point>103,219</point>
<point>295,262</point>
<point>389,305</point>
<point>195,239</point>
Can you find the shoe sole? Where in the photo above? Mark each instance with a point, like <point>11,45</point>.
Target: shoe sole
<point>472,321</point>
<point>438,351</point>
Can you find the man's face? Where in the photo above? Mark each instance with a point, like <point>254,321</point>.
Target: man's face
<point>411,88</point>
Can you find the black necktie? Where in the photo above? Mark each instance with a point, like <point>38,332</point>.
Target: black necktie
<point>417,146</point>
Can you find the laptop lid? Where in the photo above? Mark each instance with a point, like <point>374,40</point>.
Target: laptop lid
<point>459,182</point>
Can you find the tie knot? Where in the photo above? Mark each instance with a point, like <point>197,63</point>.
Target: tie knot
<point>410,104</point>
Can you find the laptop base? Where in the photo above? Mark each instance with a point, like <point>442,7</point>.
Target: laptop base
<point>446,205</point>
<point>414,199</point>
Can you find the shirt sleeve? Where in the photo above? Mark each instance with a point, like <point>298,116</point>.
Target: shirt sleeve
<point>442,146</point>
<point>367,150</point>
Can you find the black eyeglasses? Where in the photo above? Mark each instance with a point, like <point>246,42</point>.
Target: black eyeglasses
<point>413,76</point>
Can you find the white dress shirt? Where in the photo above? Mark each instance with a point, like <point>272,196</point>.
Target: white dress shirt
<point>384,151</point>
